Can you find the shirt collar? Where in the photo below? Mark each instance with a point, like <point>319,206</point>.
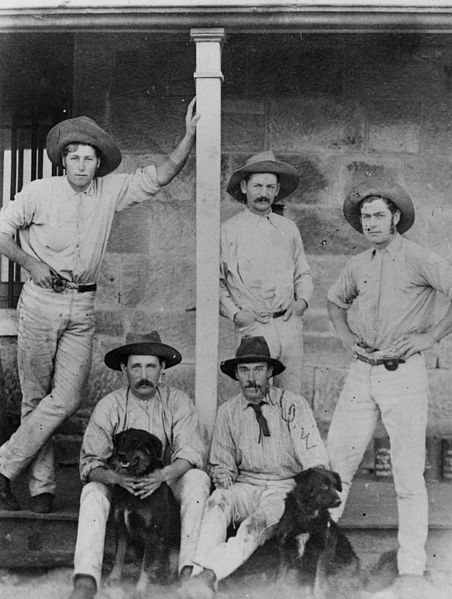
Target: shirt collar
<point>247,404</point>
<point>70,192</point>
<point>251,216</point>
<point>393,248</point>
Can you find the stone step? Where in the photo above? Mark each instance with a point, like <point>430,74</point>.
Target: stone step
<point>49,539</point>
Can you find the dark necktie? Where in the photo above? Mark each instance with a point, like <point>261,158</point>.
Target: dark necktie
<point>261,420</point>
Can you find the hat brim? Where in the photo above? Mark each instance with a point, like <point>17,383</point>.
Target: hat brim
<point>85,131</point>
<point>229,366</point>
<point>288,177</point>
<point>114,358</point>
<point>389,191</point>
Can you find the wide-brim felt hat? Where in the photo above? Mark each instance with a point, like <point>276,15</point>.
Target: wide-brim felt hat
<point>265,162</point>
<point>147,344</point>
<point>383,188</point>
<point>250,350</point>
<point>84,130</point>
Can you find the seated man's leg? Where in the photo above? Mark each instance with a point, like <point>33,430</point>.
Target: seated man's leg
<point>351,430</point>
<point>191,491</point>
<point>258,508</point>
<point>92,521</point>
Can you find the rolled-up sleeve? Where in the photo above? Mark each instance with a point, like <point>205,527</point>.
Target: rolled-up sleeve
<point>17,214</point>
<point>136,187</point>
<point>97,446</point>
<point>186,442</point>
<point>343,291</point>
<point>223,451</point>
<point>303,286</point>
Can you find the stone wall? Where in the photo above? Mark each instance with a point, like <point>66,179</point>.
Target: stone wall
<point>338,107</point>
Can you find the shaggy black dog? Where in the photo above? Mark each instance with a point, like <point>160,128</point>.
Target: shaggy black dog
<point>151,524</point>
<point>327,562</point>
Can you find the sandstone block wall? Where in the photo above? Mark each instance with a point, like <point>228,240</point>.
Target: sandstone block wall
<point>338,107</point>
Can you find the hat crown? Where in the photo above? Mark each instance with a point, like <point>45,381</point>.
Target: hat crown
<point>253,346</point>
<point>261,157</point>
<point>152,337</point>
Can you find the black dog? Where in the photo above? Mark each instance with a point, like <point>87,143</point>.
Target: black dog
<point>152,524</point>
<point>328,563</point>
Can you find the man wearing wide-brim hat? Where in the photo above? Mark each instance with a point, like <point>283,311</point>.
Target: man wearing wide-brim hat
<point>263,437</point>
<point>145,402</point>
<point>64,223</point>
<point>265,278</point>
<point>393,285</point>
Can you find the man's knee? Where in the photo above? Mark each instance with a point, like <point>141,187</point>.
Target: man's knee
<point>96,494</point>
<point>194,483</point>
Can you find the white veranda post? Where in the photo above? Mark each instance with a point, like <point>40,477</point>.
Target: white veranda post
<point>208,78</point>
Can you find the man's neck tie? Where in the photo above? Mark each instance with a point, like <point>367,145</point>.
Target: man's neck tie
<point>261,420</point>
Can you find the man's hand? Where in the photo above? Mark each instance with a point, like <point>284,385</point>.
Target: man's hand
<point>41,274</point>
<point>146,485</point>
<point>297,308</point>
<point>221,478</point>
<point>191,118</point>
<point>243,318</point>
<point>126,482</point>
<point>408,345</point>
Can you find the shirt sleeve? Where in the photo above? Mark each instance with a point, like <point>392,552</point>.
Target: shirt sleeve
<point>136,187</point>
<point>228,307</point>
<point>308,444</point>
<point>97,445</point>
<point>186,440</point>
<point>303,286</point>
<point>19,213</point>
<point>435,271</point>
<point>223,451</point>
<point>344,290</point>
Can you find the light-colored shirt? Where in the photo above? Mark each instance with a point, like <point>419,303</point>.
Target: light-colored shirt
<point>263,267</point>
<point>294,443</point>
<point>69,230</point>
<point>170,415</point>
<point>394,290</point>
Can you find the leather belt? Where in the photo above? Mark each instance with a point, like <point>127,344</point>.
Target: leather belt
<point>388,363</point>
<point>88,287</point>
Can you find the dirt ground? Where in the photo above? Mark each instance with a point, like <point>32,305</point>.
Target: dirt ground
<point>255,581</point>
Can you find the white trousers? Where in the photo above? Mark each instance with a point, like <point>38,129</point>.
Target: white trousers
<point>285,342</point>
<point>190,490</point>
<point>54,353</point>
<point>401,397</point>
<point>257,508</point>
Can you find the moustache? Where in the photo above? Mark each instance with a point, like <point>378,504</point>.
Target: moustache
<point>144,383</point>
<point>253,386</point>
<point>262,199</point>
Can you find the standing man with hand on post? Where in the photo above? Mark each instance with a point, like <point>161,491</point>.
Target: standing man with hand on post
<point>64,224</point>
<point>393,284</point>
<point>265,279</point>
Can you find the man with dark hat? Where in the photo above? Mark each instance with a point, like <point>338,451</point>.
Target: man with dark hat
<point>145,403</point>
<point>262,438</point>
<point>265,279</point>
<point>64,224</point>
<point>393,285</point>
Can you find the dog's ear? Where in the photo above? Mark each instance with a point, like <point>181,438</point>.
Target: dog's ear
<point>154,447</point>
<point>337,481</point>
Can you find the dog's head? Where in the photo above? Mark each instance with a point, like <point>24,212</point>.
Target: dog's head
<point>136,452</point>
<point>316,490</point>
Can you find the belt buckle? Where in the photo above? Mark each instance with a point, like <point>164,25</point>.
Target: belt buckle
<point>391,363</point>
<point>58,284</point>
